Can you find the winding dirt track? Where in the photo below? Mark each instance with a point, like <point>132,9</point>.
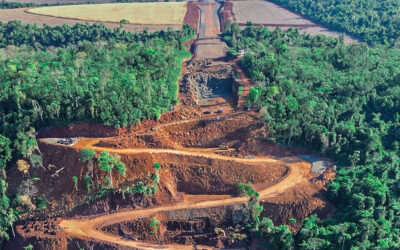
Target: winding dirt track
<point>90,227</point>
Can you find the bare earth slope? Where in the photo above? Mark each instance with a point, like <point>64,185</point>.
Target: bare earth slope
<point>196,173</point>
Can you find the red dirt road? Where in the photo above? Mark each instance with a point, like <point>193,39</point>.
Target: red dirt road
<point>90,227</point>
<point>209,45</point>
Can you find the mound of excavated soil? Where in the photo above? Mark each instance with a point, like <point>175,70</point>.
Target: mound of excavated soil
<point>187,226</point>
<point>203,133</point>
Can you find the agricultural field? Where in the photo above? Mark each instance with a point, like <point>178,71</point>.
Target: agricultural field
<point>138,13</point>
<point>20,14</point>
<point>60,1</point>
<point>271,15</point>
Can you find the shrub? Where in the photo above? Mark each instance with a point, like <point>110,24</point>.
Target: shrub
<point>75,180</point>
<point>157,166</point>
<point>86,154</point>
<point>154,223</point>
<point>87,181</point>
<point>246,189</point>
<point>41,203</point>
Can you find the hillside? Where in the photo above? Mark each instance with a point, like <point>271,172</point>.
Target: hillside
<point>339,101</point>
<point>234,125</point>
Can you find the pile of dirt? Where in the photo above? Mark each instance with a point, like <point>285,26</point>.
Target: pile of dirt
<point>222,177</point>
<point>80,129</point>
<point>229,130</point>
<point>211,226</point>
<point>299,203</point>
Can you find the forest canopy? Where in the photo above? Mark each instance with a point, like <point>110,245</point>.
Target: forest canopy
<point>374,21</point>
<point>59,75</point>
<point>338,100</point>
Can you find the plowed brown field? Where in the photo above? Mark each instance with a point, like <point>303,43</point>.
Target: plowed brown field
<point>272,15</point>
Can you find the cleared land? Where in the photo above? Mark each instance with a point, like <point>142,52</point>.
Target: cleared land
<point>60,1</point>
<point>22,15</point>
<point>208,44</point>
<point>272,15</point>
<point>137,13</point>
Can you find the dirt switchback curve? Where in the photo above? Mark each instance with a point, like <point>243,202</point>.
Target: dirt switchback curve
<point>91,227</point>
<point>297,172</point>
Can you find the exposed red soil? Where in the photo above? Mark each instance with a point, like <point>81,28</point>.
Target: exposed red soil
<point>192,15</point>
<point>195,172</point>
<point>203,157</point>
<point>226,13</point>
<point>80,129</point>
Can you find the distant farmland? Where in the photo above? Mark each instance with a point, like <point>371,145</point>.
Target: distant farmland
<point>271,15</point>
<point>158,13</point>
<point>60,1</point>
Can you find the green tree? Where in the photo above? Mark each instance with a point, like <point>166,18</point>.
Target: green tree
<point>107,162</point>
<point>28,247</point>
<point>86,154</point>
<point>75,180</point>
<point>87,181</point>
<point>252,96</point>
<point>123,22</point>
<point>154,223</point>
<point>5,154</point>
<point>157,166</point>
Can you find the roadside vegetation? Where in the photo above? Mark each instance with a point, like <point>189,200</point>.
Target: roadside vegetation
<point>375,21</point>
<point>59,75</point>
<point>339,101</point>
<point>109,163</point>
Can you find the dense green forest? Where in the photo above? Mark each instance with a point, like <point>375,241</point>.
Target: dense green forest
<point>339,101</point>
<point>14,5</point>
<point>89,73</point>
<point>375,21</point>
<point>19,34</point>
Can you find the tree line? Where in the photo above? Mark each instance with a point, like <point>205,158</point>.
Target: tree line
<point>374,21</point>
<point>18,34</point>
<point>341,101</point>
<point>58,75</point>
